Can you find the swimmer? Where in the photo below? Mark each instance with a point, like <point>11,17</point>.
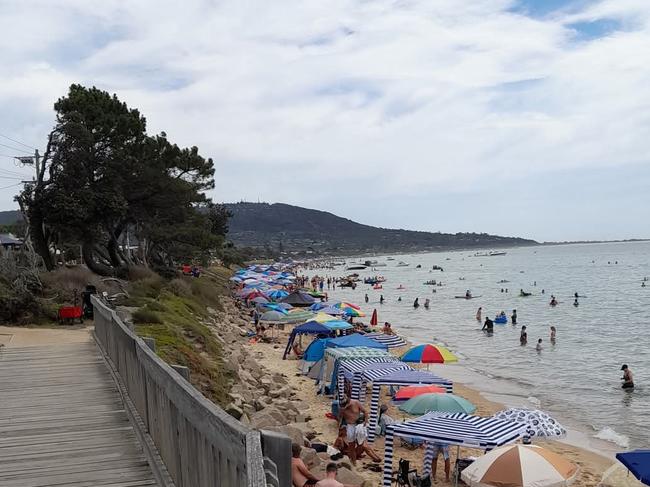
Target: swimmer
<point>628,380</point>
<point>468,294</point>
<point>553,301</point>
<point>643,284</point>
<point>426,303</point>
<point>399,299</point>
<point>488,325</point>
<point>553,332</point>
<point>366,298</point>
<point>575,302</point>
<point>416,303</point>
<point>538,347</point>
<point>513,318</point>
<point>523,336</point>
<point>381,299</point>
<point>478,313</point>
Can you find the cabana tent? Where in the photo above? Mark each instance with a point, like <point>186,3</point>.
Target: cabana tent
<point>400,378</point>
<point>335,356</point>
<point>359,372</point>
<point>391,341</point>
<point>309,328</point>
<point>354,340</point>
<point>454,429</point>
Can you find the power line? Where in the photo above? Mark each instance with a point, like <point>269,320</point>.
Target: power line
<point>11,186</point>
<point>14,148</point>
<point>18,142</point>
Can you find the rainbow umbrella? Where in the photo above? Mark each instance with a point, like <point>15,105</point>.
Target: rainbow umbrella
<point>406,393</point>
<point>344,304</point>
<point>429,354</point>
<point>353,312</point>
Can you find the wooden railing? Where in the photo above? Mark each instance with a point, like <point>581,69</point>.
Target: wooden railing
<point>200,444</point>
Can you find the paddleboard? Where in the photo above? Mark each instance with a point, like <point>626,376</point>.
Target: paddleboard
<point>465,297</point>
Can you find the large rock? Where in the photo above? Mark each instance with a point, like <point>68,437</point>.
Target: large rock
<point>235,411</point>
<point>264,419</point>
<point>292,432</point>
<point>310,457</point>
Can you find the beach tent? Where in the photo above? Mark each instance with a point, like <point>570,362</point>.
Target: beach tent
<point>354,340</point>
<point>391,341</point>
<point>454,429</point>
<point>400,378</point>
<point>359,372</point>
<point>335,356</point>
<point>309,328</point>
<point>637,462</point>
<point>299,298</point>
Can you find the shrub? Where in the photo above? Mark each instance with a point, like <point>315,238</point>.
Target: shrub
<point>140,272</point>
<point>144,315</point>
<point>179,287</point>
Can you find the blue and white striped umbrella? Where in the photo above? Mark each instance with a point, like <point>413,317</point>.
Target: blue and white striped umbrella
<point>391,341</point>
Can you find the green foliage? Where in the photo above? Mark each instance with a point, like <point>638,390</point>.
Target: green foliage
<point>145,315</point>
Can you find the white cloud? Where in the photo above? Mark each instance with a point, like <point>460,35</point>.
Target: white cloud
<point>416,97</point>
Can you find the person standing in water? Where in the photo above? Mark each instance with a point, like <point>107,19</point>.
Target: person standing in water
<point>366,298</point>
<point>416,303</point>
<point>381,299</point>
<point>478,313</point>
<point>576,303</point>
<point>488,325</point>
<point>538,347</point>
<point>628,380</point>
<point>514,317</point>
<point>553,332</point>
<point>426,303</point>
<point>523,336</point>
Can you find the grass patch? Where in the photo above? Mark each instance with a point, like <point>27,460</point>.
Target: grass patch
<point>181,337</point>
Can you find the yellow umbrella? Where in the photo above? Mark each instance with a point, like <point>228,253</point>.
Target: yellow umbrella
<point>323,317</point>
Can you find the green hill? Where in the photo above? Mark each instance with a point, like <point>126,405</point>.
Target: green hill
<point>294,229</point>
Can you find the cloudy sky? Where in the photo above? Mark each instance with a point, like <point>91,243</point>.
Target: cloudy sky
<point>517,117</point>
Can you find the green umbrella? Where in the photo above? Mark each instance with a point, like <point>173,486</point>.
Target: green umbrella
<point>443,402</point>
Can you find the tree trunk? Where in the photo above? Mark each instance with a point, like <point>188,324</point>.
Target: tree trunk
<point>39,240</point>
<point>88,252</point>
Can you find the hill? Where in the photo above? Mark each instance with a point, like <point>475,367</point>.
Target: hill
<point>294,229</point>
<point>10,217</point>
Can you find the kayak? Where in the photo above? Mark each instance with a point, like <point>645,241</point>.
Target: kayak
<point>467,297</point>
<point>525,295</point>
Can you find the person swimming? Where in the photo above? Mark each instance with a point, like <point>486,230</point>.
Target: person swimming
<point>523,336</point>
<point>553,301</point>
<point>468,294</point>
<point>366,298</point>
<point>399,299</point>
<point>538,347</point>
<point>381,299</point>
<point>575,302</point>
<point>628,380</point>
<point>488,325</point>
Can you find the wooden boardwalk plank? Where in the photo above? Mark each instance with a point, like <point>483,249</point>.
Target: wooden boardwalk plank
<point>62,421</point>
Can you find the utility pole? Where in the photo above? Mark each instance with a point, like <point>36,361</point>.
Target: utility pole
<point>37,163</point>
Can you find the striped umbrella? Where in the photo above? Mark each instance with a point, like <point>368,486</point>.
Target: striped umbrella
<point>429,354</point>
<point>520,466</point>
<point>391,341</point>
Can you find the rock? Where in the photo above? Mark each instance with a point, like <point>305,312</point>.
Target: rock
<point>281,392</point>
<point>267,384</point>
<point>258,405</point>
<point>235,411</point>
<point>263,419</point>
<point>279,416</point>
<point>346,476</point>
<point>237,399</point>
<point>306,429</point>
<point>292,432</point>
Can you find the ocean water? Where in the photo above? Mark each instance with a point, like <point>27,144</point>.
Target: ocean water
<point>578,378</point>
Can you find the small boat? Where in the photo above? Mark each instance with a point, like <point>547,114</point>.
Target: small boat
<point>377,286</point>
<point>390,258</point>
<point>467,297</point>
<point>494,254</point>
<point>524,295</point>
<point>402,264</point>
<point>431,283</point>
<point>501,320</point>
<point>437,268</point>
<point>356,267</point>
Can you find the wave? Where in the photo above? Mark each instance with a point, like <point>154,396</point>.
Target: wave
<point>608,434</point>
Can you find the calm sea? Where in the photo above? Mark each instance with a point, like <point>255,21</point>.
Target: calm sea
<point>578,378</point>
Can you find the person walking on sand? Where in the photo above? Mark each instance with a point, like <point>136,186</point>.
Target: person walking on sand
<point>444,449</point>
<point>523,336</point>
<point>628,380</point>
<point>538,347</point>
<point>478,313</point>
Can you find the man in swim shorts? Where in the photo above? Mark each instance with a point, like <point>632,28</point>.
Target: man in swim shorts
<point>354,417</point>
<point>300,474</point>
<point>628,380</point>
<point>438,449</point>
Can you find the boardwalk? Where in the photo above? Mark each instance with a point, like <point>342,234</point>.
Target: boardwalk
<point>62,422</point>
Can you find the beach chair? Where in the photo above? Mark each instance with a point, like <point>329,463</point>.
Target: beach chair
<point>408,477</point>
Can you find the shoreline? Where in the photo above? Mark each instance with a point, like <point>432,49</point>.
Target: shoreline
<point>311,422</point>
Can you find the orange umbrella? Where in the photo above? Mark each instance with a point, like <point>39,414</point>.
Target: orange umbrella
<point>406,393</point>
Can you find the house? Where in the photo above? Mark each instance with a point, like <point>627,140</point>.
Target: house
<point>9,241</point>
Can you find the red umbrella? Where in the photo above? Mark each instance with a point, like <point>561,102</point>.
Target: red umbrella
<point>412,391</point>
<point>373,320</point>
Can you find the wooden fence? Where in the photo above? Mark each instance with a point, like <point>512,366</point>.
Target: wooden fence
<point>199,443</point>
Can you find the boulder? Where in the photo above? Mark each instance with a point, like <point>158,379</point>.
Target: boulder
<point>294,433</point>
<point>310,457</point>
<point>235,411</point>
<point>263,420</point>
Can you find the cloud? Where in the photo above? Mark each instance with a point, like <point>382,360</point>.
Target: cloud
<point>307,102</point>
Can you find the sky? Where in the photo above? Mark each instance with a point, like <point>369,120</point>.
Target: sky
<point>517,117</point>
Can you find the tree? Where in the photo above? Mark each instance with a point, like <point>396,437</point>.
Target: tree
<point>104,183</point>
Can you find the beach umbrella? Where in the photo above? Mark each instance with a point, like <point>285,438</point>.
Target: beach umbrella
<point>318,306</point>
<point>353,312</point>
<point>277,294</point>
<point>335,325</point>
<point>391,341</point>
<point>285,306</point>
<point>345,304</point>
<point>520,466</point>
<point>323,317</point>
<point>374,319</point>
<point>538,423</point>
<point>619,476</point>
<point>429,354</point>
<point>260,300</point>
<point>637,462</point>
<point>331,310</point>
<point>272,316</point>
<point>409,392</point>
<point>446,403</point>
<point>273,307</point>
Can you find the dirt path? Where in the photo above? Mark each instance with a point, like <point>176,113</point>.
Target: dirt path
<point>11,336</point>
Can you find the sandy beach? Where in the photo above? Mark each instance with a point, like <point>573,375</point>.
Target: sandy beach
<point>14,336</point>
<point>592,465</point>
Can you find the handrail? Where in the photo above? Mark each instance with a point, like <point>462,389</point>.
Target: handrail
<point>200,444</point>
